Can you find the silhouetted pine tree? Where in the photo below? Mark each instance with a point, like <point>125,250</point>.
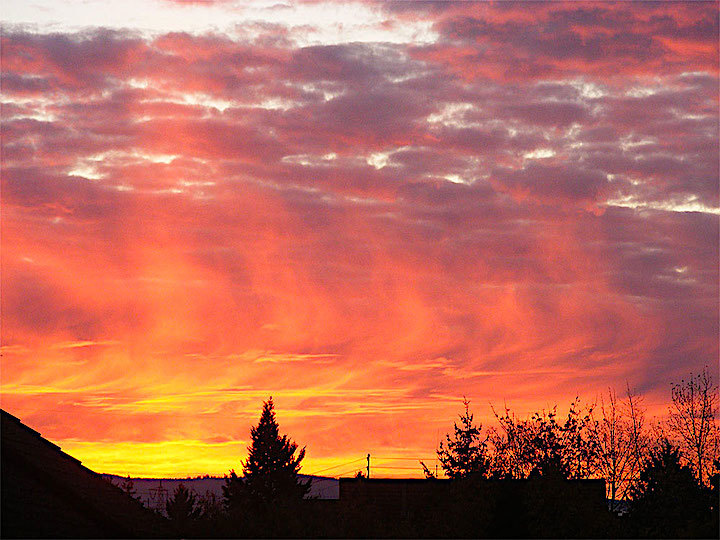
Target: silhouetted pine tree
<point>270,473</point>
<point>466,452</point>
<point>270,481</point>
<point>667,501</point>
<point>182,508</point>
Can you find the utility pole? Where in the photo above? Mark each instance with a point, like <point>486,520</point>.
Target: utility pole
<point>158,497</point>
<point>368,466</point>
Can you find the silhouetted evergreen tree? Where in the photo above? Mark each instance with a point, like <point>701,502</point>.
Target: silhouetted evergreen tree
<point>268,493</point>
<point>466,451</point>
<point>667,501</point>
<point>211,508</point>
<point>182,509</point>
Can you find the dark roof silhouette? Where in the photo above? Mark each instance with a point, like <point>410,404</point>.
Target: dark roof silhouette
<point>48,494</point>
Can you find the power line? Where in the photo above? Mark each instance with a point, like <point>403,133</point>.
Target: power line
<point>348,472</point>
<point>335,467</point>
<point>377,460</point>
<point>396,468</point>
<point>404,458</point>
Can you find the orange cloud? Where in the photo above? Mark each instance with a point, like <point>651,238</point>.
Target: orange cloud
<point>366,232</point>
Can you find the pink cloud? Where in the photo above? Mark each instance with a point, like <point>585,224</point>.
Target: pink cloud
<point>366,231</point>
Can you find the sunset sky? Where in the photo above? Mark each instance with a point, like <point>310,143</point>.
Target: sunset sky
<point>366,210</point>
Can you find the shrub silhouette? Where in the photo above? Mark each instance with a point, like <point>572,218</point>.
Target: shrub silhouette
<point>541,445</point>
<point>128,486</point>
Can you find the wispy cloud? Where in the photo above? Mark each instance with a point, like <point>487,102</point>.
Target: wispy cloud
<point>367,229</point>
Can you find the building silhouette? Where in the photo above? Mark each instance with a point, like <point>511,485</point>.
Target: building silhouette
<point>48,494</point>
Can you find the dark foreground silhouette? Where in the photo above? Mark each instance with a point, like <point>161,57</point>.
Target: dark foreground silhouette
<point>48,494</point>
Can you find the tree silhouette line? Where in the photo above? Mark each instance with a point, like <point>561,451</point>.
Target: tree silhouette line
<point>510,480</point>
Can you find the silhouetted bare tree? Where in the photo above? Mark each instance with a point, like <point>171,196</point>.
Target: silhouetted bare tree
<point>620,442</point>
<point>692,419</point>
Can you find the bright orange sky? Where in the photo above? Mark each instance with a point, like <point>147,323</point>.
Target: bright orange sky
<point>364,210</point>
